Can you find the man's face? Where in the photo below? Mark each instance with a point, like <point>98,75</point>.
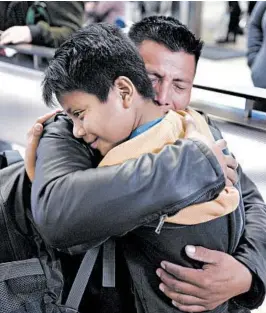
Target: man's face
<point>171,73</point>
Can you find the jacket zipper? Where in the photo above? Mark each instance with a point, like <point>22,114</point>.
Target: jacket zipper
<point>165,216</point>
<point>160,225</point>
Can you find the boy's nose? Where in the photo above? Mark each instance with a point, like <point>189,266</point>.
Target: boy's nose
<point>78,132</point>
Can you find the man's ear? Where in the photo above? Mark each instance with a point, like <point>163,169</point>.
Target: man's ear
<point>126,89</point>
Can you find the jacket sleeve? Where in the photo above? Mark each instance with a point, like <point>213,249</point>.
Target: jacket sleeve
<point>255,31</point>
<point>251,249</point>
<point>74,204</point>
<point>65,18</point>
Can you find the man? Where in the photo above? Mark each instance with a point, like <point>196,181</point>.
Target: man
<point>163,44</point>
<point>172,71</point>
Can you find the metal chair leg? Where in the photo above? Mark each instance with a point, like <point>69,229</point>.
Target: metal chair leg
<point>248,108</point>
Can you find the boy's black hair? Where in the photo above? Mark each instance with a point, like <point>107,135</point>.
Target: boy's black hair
<point>91,60</point>
<point>167,31</point>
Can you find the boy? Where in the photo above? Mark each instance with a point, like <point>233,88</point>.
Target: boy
<point>109,102</point>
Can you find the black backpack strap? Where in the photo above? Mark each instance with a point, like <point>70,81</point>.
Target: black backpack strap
<point>12,156</point>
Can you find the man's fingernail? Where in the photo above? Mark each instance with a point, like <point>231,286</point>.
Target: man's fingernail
<point>38,127</point>
<point>161,287</point>
<point>158,273</point>
<point>163,265</point>
<point>174,303</point>
<point>190,250</point>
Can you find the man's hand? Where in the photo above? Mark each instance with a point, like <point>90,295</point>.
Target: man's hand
<point>227,162</point>
<point>16,34</point>
<point>196,290</point>
<point>33,138</point>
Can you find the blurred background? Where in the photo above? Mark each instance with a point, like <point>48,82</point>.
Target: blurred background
<point>232,63</point>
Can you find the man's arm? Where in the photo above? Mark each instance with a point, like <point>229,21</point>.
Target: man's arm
<point>251,250</point>
<point>73,204</point>
<point>255,32</point>
<point>241,278</point>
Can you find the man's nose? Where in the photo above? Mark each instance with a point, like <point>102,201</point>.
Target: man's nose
<point>78,131</point>
<point>162,94</point>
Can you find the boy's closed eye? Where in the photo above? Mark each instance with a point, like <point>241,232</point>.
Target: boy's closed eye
<point>79,115</point>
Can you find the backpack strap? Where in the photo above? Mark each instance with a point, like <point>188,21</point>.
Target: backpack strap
<point>82,278</point>
<point>85,270</point>
<point>109,263</point>
<point>11,270</point>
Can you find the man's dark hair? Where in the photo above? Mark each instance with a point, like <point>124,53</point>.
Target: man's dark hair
<point>91,60</point>
<point>167,31</point>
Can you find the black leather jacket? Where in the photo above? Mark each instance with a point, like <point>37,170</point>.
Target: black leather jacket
<point>74,204</point>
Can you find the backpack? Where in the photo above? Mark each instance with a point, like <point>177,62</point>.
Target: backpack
<point>31,279</point>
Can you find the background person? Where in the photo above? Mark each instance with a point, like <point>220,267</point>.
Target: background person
<point>256,53</point>
<point>105,11</point>
<point>44,23</point>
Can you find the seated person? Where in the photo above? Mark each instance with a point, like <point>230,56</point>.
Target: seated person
<point>107,118</point>
<point>45,23</point>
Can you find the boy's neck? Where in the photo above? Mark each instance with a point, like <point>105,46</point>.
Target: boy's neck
<point>147,112</point>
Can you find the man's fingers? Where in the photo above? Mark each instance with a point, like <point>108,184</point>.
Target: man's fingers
<point>38,124</point>
<point>202,254</point>
<point>176,286</point>
<point>180,298</point>
<point>189,308</point>
<point>231,175</point>
<point>231,162</point>
<point>37,130</point>
<point>189,126</point>
<point>46,117</point>
<point>185,274</point>
<point>221,143</point>
<point>228,183</point>
<point>33,139</point>
<point>31,149</point>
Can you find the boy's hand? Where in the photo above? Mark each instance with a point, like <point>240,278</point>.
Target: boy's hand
<point>33,138</point>
<point>227,162</point>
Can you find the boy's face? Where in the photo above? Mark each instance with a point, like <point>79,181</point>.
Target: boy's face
<point>104,125</point>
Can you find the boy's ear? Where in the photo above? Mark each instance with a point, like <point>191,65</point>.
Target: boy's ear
<point>126,89</point>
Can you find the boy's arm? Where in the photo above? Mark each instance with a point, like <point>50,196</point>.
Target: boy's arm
<point>74,204</point>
